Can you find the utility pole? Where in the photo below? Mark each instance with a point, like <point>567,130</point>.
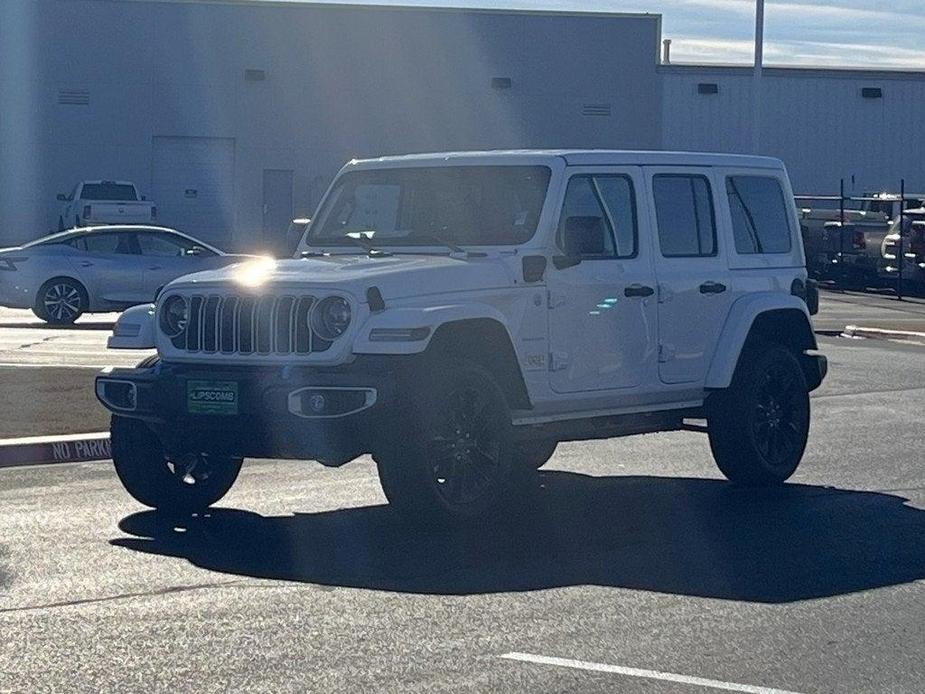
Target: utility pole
<point>756,79</point>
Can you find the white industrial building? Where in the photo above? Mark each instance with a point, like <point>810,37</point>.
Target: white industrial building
<point>233,115</point>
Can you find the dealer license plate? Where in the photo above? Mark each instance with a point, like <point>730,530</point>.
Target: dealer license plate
<point>212,397</point>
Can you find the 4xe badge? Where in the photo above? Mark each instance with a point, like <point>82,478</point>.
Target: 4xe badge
<point>212,397</point>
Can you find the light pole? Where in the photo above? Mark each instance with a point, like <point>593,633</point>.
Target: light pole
<point>756,79</point>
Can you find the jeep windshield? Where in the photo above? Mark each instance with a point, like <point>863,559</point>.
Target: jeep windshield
<point>432,206</point>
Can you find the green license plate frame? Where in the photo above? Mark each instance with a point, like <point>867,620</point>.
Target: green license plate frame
<point>212,397</point>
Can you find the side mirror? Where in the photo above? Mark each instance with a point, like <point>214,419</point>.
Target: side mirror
<point>533,267</point>
<point>194,251</point>
<point>62,197</point>
<point>582,236</point>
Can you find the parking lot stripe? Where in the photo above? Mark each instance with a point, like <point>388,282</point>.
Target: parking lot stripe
<point>645,674</point>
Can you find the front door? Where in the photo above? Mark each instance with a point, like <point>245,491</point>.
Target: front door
<point>693,276</point>
<point>167,257</point>
<point>602,311</point>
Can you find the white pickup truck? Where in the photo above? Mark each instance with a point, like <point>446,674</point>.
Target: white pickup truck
<point>92,203</point>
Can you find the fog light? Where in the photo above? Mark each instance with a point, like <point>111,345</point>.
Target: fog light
<point>329,401</point>
<point>317,403</point>
<point>118,395</point>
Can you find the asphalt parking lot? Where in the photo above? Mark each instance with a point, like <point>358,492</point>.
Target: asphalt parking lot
<point>637,570</point>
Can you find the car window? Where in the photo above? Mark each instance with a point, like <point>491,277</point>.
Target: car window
<point>108,191</point>
<point>121,244</point>
<point>163,245</point>
<point>684,212</point>
<point>479,205</point>
<point>603,207</point>
<point>760,220</point>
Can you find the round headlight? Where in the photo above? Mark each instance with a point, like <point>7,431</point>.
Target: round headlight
<point>174,316</point>
<point>330,317</point>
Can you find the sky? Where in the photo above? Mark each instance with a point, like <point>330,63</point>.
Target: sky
<point>839,33</point>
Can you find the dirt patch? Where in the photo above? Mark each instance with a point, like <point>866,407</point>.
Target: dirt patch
<point>44,401</point>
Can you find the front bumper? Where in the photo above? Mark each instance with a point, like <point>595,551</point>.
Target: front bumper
<point>331,415</point>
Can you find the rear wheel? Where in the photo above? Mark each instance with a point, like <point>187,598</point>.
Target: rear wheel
<point>182,483</point>
<point>452,460</point>
<point>60,301</point>
<point>758,427</point>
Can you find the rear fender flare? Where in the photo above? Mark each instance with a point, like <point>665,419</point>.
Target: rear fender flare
<point>739,322</point>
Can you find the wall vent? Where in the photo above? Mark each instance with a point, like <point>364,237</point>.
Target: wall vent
<point>255,75</point>
<point>595,110</point>
<point>501,83</point>
<point>871,93</point>
<point>708,88</point>
<point>74,97</point>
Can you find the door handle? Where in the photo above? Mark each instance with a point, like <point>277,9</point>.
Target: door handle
<point>86,263</point>
<point>155,267</point>
<point>638,290</point>
<point>712,288</point>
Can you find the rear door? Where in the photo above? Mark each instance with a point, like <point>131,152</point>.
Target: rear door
<point>690,265</point>
<point>602,311</point>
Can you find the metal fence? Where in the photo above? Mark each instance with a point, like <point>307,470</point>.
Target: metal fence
<point>843,243</point>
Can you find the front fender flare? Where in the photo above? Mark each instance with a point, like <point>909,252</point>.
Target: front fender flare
<point>134,329</point>
<point>738,324</point>
<point>430,317</point>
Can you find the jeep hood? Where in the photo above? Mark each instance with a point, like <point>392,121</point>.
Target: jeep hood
<point>396,276</point>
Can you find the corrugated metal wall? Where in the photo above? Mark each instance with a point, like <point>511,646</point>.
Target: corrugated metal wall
<point>89,85</point>
<point>815,120</point>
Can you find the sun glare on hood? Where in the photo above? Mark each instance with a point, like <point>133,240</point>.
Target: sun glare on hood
<point>253,273</point>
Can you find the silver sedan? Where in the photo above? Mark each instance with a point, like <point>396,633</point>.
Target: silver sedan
<point>99,269</point>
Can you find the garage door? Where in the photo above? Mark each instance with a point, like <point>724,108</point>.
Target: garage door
<point>193,186</point>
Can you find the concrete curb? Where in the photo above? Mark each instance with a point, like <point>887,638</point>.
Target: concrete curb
<point>67,448</point>
<point>882,334</point>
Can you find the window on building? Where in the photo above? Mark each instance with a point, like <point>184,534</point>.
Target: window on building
<point>760,221</point>
<point>603,207</point>
<point>684,211</point>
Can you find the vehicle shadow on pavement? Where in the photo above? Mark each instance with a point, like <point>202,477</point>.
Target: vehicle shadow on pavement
<point>699,537</point>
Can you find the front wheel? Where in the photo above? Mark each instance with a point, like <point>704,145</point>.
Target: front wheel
<point>453,460</point>
<point>758,427</point>
<point>172,483</point>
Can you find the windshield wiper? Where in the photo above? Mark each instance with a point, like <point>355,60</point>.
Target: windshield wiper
<point>362,239</point>
<point>430,236</point>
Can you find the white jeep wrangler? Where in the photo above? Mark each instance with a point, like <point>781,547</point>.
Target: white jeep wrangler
<point>458,315</point>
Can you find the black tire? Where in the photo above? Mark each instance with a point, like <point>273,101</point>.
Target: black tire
<point>61,301</point>
<point>758,427</point>
<point>172,484</point>
<point>533,455</point>
<point>451,459</point>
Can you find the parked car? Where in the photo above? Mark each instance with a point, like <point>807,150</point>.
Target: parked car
<point>913,251</point>
<point>458,315</point>
<point>849,250</point>
<point>95,269</point>
<point>104,202</point>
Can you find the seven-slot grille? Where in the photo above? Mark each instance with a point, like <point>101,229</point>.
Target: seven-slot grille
<point>263,325</point>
